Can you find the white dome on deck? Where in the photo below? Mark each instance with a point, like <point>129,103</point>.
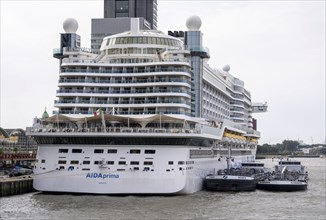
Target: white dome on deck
<point>193,23</point>
<point>70,25</point>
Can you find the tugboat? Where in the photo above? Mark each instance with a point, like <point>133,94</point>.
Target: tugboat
<point>225,181</point>
<point>288,176</point>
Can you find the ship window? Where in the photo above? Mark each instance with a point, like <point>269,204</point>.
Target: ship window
<point>110,162</point>
<point>181,162</point>
<point>42,161</point>
<point>62,162</point>
<point>122,162</point>
<point>161,40</point>
<point>76,150</point>
<point>148,162</point>
<point>63,150</point>
<point>86,169</point>
<point>86,162</point>
<point>121,170</point>
<point>97,162</point>
<point>112,151</point>
<point>170,162</point>
<point>149,151</point>
<point>98,151</point>
<point>74,162</point>
<point>134,151</point>
<point>134,162</point>
<point>61,167</point>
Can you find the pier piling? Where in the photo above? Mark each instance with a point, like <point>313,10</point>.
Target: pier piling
<point>16,185</point>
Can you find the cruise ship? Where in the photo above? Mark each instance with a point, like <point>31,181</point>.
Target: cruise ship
<point>145,114</point>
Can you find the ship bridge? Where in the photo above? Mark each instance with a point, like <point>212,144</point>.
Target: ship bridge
<point>259,107</point>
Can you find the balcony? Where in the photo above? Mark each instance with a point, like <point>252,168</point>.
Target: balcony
<point>60,91</point>
<point>123,102</point>
<point>173,80</point>
<point>71,112</point>
<point>151,70</point>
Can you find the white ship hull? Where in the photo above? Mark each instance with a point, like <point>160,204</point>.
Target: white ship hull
<point>184,176</point>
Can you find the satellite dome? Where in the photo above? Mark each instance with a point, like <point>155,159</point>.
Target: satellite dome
<point>226,68</point>
<point>70,25</point>
<point>193,23</point>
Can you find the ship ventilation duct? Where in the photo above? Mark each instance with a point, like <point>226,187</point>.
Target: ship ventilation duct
<point>134,25</point>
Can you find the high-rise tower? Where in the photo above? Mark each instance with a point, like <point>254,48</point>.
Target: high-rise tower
<point>117,14</point>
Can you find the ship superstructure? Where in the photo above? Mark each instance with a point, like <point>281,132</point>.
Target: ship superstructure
<point>145,115</point>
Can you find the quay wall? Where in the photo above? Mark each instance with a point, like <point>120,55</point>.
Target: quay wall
<point>16,185</point>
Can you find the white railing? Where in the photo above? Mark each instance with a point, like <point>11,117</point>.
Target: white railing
<point>113,130</point>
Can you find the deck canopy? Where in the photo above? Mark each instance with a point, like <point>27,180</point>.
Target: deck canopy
<point>142,120</point>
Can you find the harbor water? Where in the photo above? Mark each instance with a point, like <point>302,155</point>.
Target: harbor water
<point>309,204</point>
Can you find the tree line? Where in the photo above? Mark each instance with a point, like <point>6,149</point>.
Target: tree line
<point>288,147</point>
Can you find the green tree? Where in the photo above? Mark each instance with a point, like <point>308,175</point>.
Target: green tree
<point>290,146</point>
<point>323,150</point>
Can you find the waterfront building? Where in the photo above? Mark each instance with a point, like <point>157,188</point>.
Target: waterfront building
<point>16,140</point>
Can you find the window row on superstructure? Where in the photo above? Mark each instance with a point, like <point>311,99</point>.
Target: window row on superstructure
<point>127,80</point>
<point>125,111</point>
<point>233,103</point>
<point>142,40</point>
<point>215,103</point>
<point>126,69</point>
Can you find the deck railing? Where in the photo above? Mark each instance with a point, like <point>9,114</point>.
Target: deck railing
<point>113,130</point>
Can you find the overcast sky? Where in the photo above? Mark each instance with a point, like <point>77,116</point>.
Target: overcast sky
<point>276,47</point>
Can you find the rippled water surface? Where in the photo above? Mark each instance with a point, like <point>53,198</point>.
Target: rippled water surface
<point>310,204</point>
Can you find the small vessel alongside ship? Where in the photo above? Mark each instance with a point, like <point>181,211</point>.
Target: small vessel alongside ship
<point>230,183</point>
<point>288,176</point>
<point>240,179</point>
